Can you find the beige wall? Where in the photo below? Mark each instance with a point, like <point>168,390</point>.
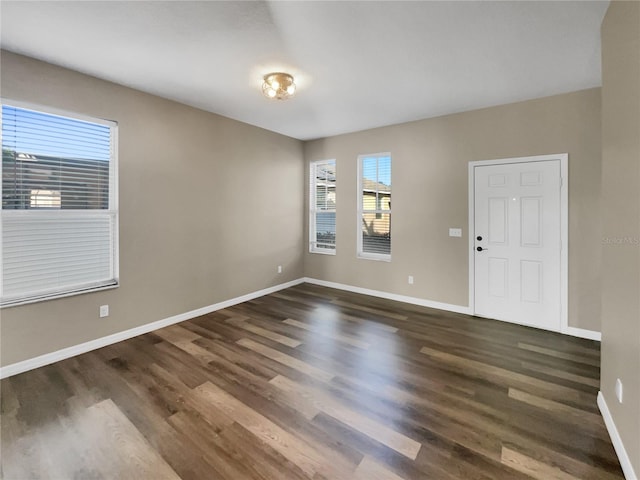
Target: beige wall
<point>621,219</point>
<point>430,194</point>
<point>208,208</point>
<point>187,219</point>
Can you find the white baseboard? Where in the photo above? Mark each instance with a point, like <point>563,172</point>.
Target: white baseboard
<point>391,296</point>
<point>625,462</point>
<point>65,353</point>
<point>582,333</point>
<point>573,331</point>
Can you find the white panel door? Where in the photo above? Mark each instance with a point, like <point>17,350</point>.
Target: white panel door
<point>517,243</point>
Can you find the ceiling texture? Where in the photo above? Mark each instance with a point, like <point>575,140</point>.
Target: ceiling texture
<point>358,65</point>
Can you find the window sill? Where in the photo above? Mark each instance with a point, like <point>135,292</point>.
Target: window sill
<point>323,252</point>
<point>373,256</point>
<point>54,296</point>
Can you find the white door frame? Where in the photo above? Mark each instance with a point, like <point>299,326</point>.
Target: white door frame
<point>564,229</point>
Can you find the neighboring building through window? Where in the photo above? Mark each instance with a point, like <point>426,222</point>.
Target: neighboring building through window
<point>322,207</point>
<point>374,206</point>
<point>59,213</point>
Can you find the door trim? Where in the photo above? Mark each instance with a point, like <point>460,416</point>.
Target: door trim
<point>563,158</point>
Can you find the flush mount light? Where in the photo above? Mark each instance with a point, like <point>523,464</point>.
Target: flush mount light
<point>278,85</point>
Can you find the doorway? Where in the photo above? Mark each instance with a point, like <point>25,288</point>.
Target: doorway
<point>518,240</point>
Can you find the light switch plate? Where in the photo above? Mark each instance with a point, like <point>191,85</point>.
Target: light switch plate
<point>455,232</point>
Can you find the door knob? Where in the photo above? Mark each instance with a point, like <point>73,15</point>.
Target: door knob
<point>481,249</point>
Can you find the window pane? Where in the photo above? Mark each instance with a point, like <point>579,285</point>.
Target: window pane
<point>375,204</point>
<point>322,219</point>
<point>46,153</point>
<point>369,168</point>
<point>325,186</point>
<point>376,183</point>
<point>326,230</point>
<point>321,196</point>
<point>331,197</point>
<point>38,133</point>
<point>384,173</point>
<point>369,182</point>
<point>376,233</point>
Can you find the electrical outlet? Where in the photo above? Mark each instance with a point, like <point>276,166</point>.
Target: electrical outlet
<point>279,268</point>
<point>410,279</point>
<point>619,390</point>
<point>455,232</point>
<point>104,311</point>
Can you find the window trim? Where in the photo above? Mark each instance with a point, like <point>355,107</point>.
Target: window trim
<point>113,209</point>
<point>381,257</point>
<point>313,247</point>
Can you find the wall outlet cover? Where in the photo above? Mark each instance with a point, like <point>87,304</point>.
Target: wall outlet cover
<point>619,390</point>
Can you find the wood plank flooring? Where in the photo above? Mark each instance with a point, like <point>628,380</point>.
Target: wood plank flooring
<point>315,383</point>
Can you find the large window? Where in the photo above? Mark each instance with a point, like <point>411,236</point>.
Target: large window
<point>59,217</point>
<point>374,206</point>
<point>322,207</point>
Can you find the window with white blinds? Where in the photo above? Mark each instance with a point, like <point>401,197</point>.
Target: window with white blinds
<point>374,206</point>
<point>322,207</point>
<point>59,217</point>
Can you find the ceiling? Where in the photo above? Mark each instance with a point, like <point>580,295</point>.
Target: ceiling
<point>358,65</point>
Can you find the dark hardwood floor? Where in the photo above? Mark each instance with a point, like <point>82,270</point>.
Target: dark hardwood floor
<point>315,383</point>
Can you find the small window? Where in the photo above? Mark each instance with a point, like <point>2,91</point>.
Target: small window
<point>374,206</point>
<point>322,207</point>
<point>59,214</point>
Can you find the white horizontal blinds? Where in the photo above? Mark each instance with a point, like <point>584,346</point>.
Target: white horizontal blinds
<point>375,204</point>
<point>323,206</point>
<point>59,220</point>
<point>55,162</point>
<point>49,253</point>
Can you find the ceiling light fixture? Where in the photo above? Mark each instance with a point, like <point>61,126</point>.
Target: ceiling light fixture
<point>278,85</point>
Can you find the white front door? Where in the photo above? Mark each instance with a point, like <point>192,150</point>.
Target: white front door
<point>517,243</point>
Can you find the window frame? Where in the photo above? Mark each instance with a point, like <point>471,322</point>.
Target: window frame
<point>313,245</point>
<point>113,207</point>
<point>360,253</point>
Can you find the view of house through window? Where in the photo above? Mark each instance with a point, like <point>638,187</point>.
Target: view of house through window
<point>374,206</point>
<point>322,205</point>
<point>59,209</point>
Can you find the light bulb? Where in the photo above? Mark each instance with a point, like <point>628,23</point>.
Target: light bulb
<point>278,85</point>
